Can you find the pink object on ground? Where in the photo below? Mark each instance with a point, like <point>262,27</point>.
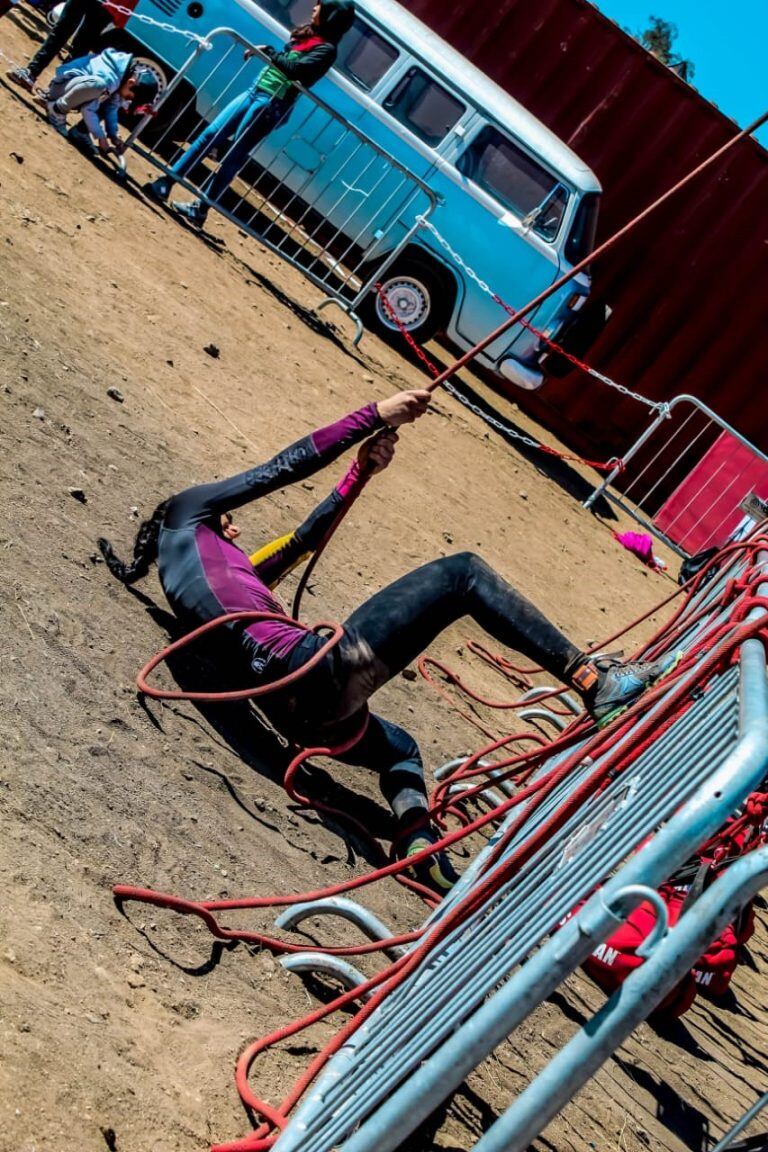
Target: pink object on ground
<point>640,544</point>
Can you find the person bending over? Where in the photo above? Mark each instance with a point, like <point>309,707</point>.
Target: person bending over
<point>97,87</point>
<point>251,115</point>
<point>204,575</point>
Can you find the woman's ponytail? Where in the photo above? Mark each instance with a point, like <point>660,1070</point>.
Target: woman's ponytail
<point>144,549</point>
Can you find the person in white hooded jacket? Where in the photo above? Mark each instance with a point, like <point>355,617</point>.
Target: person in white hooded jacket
<point>97,86</point>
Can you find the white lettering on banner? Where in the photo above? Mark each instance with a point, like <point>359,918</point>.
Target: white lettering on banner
<point>702,977</point>
<point>606,954</point>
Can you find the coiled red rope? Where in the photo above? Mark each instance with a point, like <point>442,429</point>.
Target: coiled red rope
<point>713,650</point>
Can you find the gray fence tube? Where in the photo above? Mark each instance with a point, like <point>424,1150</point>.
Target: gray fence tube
<point>741,772</point>
<point>741,1124</point>
<point>629,1006</point>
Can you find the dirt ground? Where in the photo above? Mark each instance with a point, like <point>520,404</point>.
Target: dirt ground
<point>121,1031</point>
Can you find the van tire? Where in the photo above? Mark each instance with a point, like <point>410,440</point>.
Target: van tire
<point>424,304</point>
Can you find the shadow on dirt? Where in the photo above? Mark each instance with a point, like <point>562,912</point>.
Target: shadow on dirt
<point>248,734</point>
<point>464,1107</point>
<point>689,1124</point>
<point>553,467</point>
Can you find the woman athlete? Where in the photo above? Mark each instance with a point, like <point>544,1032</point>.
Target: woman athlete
<point>205,574</point>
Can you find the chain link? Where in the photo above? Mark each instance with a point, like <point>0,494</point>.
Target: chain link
<point>486,288</point>
<point>504,429</point>
<point>142,19</point>
<point>162,25</point>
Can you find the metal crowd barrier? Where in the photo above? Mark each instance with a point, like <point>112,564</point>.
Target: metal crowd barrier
<point>316,190</point>
<point>672,452</point>
<point>493,970</point>
<point>585,1053</point>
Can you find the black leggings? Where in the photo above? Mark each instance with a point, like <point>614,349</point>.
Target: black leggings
<point>382,638</point>
<point>89,16</point>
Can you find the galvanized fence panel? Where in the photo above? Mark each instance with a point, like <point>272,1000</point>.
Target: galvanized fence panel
<point>493,970</point>
<point>591,1046</point>
<point>686,475</point>
<point>316,190</point>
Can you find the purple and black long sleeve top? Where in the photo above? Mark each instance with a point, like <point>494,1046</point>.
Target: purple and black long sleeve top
<point>205,575</point>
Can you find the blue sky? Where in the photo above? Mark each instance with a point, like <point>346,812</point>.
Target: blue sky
<point>725,41</point>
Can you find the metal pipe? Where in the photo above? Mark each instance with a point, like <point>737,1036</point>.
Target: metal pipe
<point>564,698</point>
<point>559,723</point>
<point>493,798</point>
<point>336,966</point>
<point>651,896</point>
<point>659,418</point>
<point>369,924</point>
<point>627,1007</point>
<point>740,1125</point>
<point>440,1074</point>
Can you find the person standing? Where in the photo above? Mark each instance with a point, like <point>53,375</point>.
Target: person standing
<point>250,116</point>
<point>86,20</point>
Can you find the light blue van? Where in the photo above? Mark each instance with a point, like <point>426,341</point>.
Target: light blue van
<point>516,204</point>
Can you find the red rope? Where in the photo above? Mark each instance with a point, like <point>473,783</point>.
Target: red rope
<point>598,465</point>
<point>673,697</point>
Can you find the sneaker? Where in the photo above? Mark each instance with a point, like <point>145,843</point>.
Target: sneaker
<point>23,77</point>
<point>435,872</point>
<point>57,120</point>
<point>191,210</point>
<point>158,190</point>
<point>619,685</point>
<point>81,138</point>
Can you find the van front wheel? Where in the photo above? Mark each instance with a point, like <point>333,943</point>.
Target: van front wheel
<point>412,297</point>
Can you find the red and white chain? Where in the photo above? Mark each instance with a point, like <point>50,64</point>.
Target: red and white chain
<point>486,288</point>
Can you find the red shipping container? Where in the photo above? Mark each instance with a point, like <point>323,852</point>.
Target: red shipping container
<point>704,509</point>
<point>688,286</point>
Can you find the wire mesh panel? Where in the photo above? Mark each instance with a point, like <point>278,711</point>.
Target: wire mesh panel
<point>685,477</point>
<point>491,970</point>
<point>310,185</point>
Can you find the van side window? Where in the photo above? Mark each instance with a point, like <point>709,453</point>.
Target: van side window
<point>365,56</point>
<point>424,106</point>
<point>516,179</point>
<point>289,13</point>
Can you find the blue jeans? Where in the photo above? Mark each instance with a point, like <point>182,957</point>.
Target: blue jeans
<point>246,120</point>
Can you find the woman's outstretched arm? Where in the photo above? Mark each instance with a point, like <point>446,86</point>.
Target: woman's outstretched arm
<point>275,560</point>
<point>297,462</point>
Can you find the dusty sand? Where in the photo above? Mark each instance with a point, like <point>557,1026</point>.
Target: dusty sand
<point>122,1032</point>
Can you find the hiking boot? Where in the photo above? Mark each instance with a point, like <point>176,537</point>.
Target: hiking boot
<point>434,872</point>
<point>191,210</point>
<point>23,77</point>
<point>56,119</point>
<point>618,685</point>
<point>158,190</point>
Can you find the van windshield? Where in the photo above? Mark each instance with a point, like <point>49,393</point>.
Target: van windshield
<point>496,164</point>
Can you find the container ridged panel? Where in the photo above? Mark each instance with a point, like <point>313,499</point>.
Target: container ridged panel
<point>686,287</point>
